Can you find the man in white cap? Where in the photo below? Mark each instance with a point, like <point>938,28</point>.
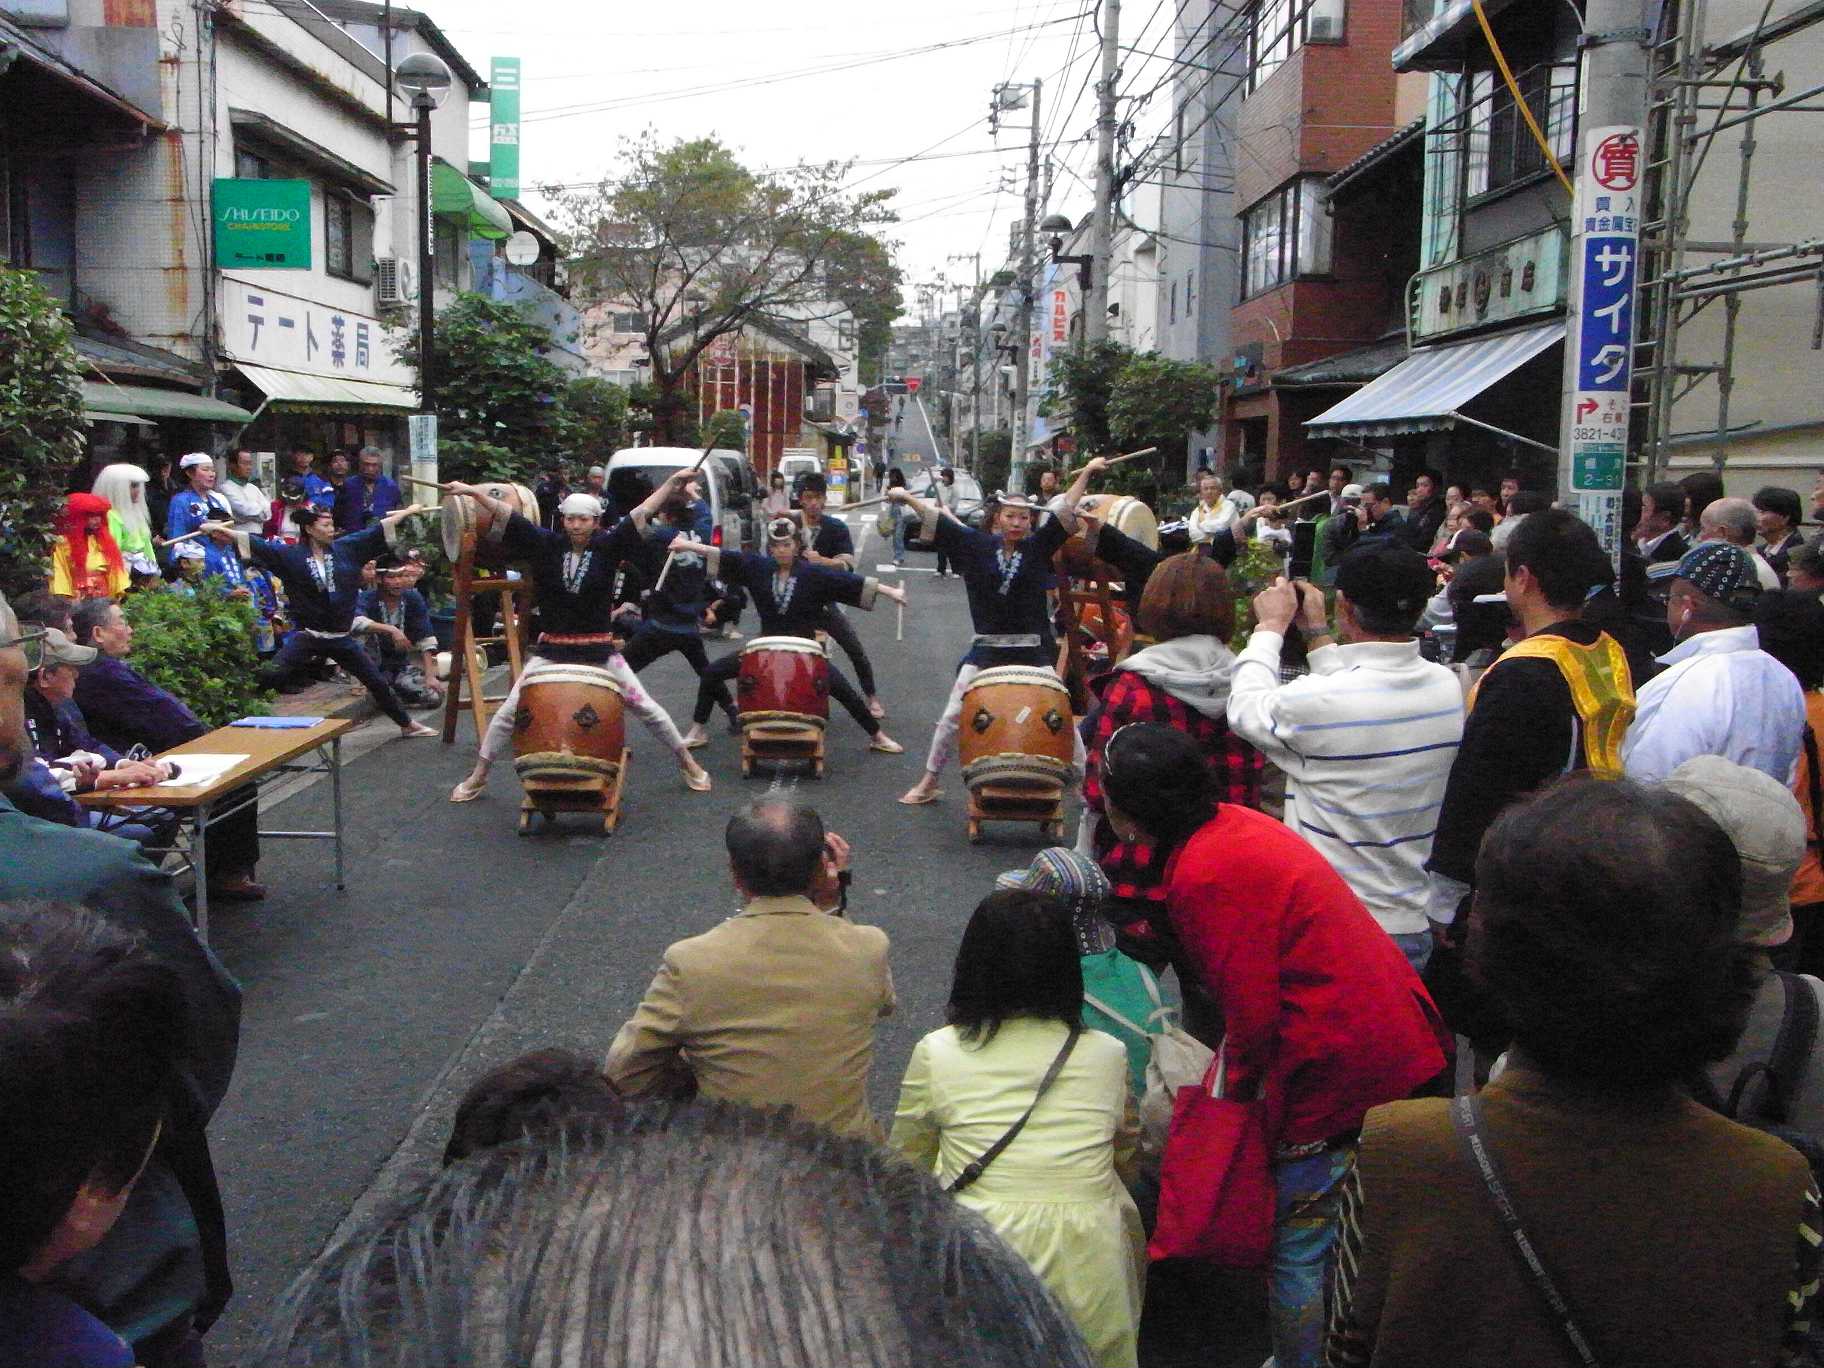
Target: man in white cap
<point>1720,693</point>
<point>1006,572</point>
<point>1767,827</point>
<point>573,574</point>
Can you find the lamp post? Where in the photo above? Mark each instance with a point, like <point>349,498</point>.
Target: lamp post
<point>425,81</point>
<point>1057,225</point>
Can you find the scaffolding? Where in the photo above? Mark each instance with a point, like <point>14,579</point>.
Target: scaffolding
<point>1697,93</point>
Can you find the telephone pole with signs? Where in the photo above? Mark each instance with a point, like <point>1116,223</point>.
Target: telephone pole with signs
<point>1597,394</point>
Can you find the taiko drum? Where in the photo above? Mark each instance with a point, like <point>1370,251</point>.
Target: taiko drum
<point>568,724</point>
<point>1016,729</point>
<point>1125,514</point>
<point>783,680</point>
<point>462,514</point>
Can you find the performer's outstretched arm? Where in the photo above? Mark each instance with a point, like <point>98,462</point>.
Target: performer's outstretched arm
<point>1067,509</point>
<point>661,496</point>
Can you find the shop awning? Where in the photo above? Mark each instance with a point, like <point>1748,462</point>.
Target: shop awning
<point>144,401</point>
<point>1424,392</point>
<point>455,196</point>
<point>296,392</point>
<point>131,419</point>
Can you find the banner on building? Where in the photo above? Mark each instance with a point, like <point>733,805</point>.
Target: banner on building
<point>1606,233</point>
<point>262,225</point>
<point>503,107</point>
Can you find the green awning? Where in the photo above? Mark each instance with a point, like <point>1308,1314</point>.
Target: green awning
<point>148,401</point>
<point>454,195</point>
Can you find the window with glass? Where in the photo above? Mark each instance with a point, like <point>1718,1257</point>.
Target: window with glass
<point>1285,236</point>
<point>348,238</point>
<point>1278,28</point>
<point>1499,148</point>
<point>251,166</point>
<point>447,249</point>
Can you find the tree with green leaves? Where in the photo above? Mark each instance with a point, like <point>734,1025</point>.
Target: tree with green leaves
<point>1158,402</point>
<point>701,246</point>
<point>1082,381</point>
<point>500,398</point>
<point>595,419</point>
<point>41,426</point>
<point>862,277</point>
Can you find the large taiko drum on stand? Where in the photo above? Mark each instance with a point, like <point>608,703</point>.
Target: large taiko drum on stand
<point>462,514</point>
<point>1016,730</point>
<point>1122,512</point>
<point>568,728</point>
<point>784,681</point>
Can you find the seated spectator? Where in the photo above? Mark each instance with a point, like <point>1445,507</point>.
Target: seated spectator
<point>1126,1002</point>
<point>124,709</point>
<point>777,1005</point>
<point>367,497</point>
<point>1606,922</point>
<point>703,1236</point>
<point>61,737</point>
<point>1805,568</point>
<point>1720,693</point>
<point>294,494</point>
<point>161,1277</point>
<point>1523,502</point>
<point>191,563</point>
<point>1733,521</point>
<point>1322,1014</point>
<point>1701,489</point>
<point>542,1096</point>
<point>398,624</point>
<point>1766,825</point>
<point>86,560</point>
<point>91,1033</point>
<point>1051,1191</point>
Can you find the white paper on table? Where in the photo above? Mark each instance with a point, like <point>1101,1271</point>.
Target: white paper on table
<point>199,771</point>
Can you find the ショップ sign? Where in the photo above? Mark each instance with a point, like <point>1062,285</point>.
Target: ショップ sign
<point>262,225</point>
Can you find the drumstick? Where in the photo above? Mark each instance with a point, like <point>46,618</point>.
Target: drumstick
<point>899,630</point>
<point>428,484</point>
<point>1116,460</point>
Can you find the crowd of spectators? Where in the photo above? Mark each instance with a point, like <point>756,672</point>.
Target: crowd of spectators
<point>1522,967</point>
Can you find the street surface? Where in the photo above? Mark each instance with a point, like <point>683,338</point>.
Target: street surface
<point>459,944</point>
<point>913,446</point>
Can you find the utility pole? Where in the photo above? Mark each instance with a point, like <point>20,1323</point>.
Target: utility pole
<point>975,357</point>
<point>1102,227</point>
<point>1608,202</point>
<point>1022,382</point>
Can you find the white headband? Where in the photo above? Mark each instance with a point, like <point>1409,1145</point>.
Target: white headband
<point>195,458</point>
<point>586,504</point>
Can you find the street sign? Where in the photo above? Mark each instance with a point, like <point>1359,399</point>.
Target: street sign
<point>423,428</point>
<point>262,225</point>
<point>912,383</point>
<point>1606,233</point>
<point>503,141</point>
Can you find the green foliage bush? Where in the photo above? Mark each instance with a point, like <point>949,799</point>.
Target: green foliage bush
<point>200,649</point>
<point>41,426</point>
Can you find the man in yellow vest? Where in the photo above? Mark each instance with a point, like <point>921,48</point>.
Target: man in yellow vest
<point>1558,700</point>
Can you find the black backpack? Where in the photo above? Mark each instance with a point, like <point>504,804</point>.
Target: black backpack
<point>1781,1074</point>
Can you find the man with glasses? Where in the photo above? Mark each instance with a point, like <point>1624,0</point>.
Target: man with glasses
<point>159,1278</point>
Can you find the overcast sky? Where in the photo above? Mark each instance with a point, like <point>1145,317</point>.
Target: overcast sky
<point>820,80</point>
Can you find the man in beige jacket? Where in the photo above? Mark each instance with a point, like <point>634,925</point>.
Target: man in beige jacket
<point>777,1005</point>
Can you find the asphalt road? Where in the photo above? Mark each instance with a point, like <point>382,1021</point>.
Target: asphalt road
<point>459,944</point>
<point>912,446</point>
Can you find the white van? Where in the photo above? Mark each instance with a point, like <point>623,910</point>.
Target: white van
<point>795,465</point>
<point>635,472</point>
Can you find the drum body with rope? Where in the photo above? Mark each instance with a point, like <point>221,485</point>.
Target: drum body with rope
<point>1016,730</point>
<point>462,514</point>
<point>783,681</point>
<point>568,728</point>
<point>1122,512</point>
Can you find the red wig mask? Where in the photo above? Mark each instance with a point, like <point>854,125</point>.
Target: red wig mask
<point>77,510</point>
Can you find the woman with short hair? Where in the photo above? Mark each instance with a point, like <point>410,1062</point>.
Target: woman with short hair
<point>1606,922</point>
<point>1322,1015</point>
<point>1015,1047</point>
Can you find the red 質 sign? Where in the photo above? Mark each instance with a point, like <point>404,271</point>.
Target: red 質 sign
<point>1616,162</point>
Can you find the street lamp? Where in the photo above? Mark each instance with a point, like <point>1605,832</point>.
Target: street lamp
<point>425,80</point>
<point>1057,225</point>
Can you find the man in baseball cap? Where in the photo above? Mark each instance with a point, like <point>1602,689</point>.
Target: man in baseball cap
<point>1720,693</point>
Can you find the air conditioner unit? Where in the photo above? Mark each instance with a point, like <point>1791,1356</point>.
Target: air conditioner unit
<point>1323,28</point>
<point>390,282</point>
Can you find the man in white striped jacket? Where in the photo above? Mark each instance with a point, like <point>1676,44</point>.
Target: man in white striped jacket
<point>1367,738</point>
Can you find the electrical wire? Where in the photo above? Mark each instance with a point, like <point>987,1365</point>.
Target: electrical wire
<point>1526,110</point>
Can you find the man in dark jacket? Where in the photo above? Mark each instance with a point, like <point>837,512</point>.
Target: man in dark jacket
<point>160,1277</point>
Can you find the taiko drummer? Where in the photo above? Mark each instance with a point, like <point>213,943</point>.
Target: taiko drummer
<point>791,596</point>
<point>573,575</point>
<point>1006,571</point>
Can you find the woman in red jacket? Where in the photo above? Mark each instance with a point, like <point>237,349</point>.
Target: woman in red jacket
<point>1323,1016</point>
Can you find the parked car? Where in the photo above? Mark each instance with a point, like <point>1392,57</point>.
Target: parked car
<point>970,504</point>
<point>744,493</point>
<point>635,472</point>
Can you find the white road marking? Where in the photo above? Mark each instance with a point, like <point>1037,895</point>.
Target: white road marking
<point>880,569</point>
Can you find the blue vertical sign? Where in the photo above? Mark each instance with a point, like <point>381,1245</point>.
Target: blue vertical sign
<point>1607,235</point>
